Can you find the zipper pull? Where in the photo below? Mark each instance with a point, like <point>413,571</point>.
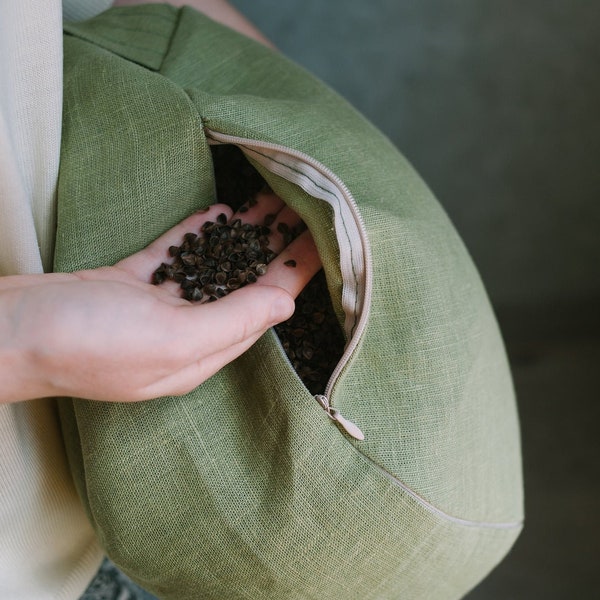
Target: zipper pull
<point>348,426</point>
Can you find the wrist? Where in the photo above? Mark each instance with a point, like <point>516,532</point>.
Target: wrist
<point>20,377</point>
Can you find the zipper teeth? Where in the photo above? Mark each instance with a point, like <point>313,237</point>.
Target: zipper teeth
<point>320,167</point>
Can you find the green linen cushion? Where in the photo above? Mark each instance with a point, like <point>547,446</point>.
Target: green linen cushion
<point>244,488</point>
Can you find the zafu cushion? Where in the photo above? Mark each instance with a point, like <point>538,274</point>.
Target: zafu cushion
<point>250,486</point>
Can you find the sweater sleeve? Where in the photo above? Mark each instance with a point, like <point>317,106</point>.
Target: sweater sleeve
<point>48,548</point>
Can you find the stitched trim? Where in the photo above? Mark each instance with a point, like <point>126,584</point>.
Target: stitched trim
<point>434,509</point>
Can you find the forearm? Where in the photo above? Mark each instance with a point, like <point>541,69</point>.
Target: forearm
<point>219,11</point>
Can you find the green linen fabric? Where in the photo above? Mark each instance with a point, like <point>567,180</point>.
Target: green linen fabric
<point>244,488</point>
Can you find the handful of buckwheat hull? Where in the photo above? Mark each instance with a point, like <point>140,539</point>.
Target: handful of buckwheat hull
<point>225,256</point>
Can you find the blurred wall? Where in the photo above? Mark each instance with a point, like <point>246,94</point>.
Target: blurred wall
<point>495,103</point>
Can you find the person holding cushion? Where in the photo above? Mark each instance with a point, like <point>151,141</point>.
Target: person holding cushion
<point>98,334</point>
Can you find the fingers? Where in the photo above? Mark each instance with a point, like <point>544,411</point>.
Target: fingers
<point>268,206</point>
<point>238,320</point>
<point>270,210</point>
<point>282,229</point>
<point>211,335</point>
<point>294,267</point>
<point>265,203</point>
<point>142,264</point>
<point>202,330</point>
<point>9,282</point>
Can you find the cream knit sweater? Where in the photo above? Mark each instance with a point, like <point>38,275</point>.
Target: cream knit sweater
<point>47,547</point>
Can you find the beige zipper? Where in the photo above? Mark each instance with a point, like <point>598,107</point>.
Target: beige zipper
<point>355,254</point>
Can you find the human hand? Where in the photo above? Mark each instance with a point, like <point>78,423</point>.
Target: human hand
<point>109,334</point>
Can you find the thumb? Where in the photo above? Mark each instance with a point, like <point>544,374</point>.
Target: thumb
<point>233,319</point>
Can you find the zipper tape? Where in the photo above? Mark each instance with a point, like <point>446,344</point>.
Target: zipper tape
<point>319,181</point>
